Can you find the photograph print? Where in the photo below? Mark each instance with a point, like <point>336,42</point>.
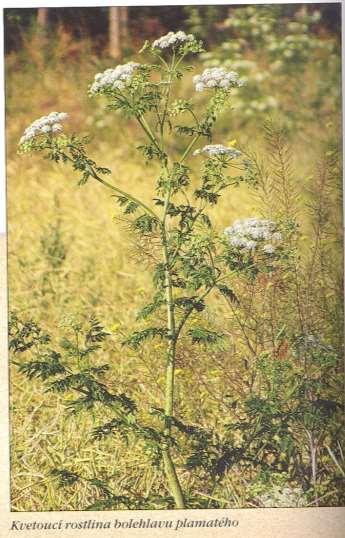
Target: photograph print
<point>175,257</point>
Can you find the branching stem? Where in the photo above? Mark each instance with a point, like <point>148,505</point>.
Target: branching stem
<point>117,190</point>
<point>170,471</point>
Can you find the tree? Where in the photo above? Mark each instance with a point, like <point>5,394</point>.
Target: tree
<point>124,25</point>
<point>42,17</point>
<point>114,32</point>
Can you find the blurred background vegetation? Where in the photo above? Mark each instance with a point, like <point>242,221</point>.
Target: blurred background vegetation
<point>69,256</point>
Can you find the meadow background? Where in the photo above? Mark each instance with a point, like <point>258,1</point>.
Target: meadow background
<point>71,255</point>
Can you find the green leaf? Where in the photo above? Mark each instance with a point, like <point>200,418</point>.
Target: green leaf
<point>128,205</point>
<point>209,196</point>
<point>149,309</point>
<point>138,337</point>
<point>179,106</point>
<point>190,303</point>
<point>43,369</point>
<point>96,332</point>
<point>145,224</point>
<point>150,151</point>
<point>206,220</point>
<point>159,275</point>
<point>227,292</point>
<point>200,335</point>
<point>23,335</point>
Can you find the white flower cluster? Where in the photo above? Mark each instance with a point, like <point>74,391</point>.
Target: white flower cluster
<point>172,39</point>
<point>252,233</point>
<point>116,79</point>
<point>45,125</point>
<point>283,498</point>
<point>218,149</point>
<point>217,77</point>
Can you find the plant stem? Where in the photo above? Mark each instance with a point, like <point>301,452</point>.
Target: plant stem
<point>116,189</point>
<point>189,148</point>
<point>167,97</point>
<point>144,125</point>
<point>174,485</point>
<point>126,195</point>
<point>172,479</point>
<point>169,467</point>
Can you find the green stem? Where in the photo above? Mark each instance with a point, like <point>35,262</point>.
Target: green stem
<point>173,481</point>
<point>116,189</point>
<point>142,122</point>
<point>189,148</point>
<point>187,315</point>
<point>169,467</point>
<point>177,248</point>
<point>125,194</point>
<point>167,97</point>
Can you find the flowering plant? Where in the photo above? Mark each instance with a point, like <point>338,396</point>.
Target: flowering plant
<point>270,49</point>
<point>191,260</point>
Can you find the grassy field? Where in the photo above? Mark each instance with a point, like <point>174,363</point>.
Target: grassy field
<point>102,271</point>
